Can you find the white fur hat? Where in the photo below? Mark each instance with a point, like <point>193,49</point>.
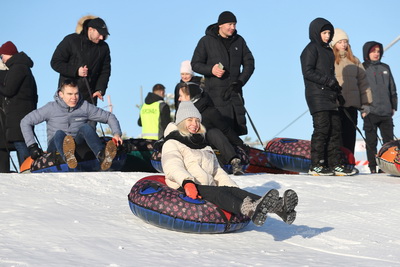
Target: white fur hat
<point>339,35</point>
<point>186,67</point>
<point>186,110</point>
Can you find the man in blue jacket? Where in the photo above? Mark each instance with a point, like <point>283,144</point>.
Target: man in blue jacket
<point>67,124</point>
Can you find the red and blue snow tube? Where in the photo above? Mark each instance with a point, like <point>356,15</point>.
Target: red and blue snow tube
<point>255,162</point>
<point>295,154</point>
<point>154,202</point>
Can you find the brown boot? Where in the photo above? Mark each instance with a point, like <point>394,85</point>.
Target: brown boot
<point>69,152</point>
<point>107,155</point>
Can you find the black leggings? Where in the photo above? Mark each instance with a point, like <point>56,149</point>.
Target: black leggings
<point>226,197</point>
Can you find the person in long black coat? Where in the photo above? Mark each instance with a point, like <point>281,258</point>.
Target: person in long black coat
<point>19,97</point>
<point>322,92</point>
<point>227,63</point>
<point>5,147</point>
<point>85,56</point>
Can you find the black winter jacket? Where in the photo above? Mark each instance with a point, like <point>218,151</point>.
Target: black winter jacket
<point>212,118</point>
<point>195,79</point>
<point>317,65</point>
<point>76,51</point>
<point>19,95</point>
<point>238,64</point>
<point>381,81</point>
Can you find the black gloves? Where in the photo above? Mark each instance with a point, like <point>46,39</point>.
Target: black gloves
<point>333,85</point>
<point>35,151</point>
<point>233,87</point>
<point>237,86</point>
<point>341,100</point>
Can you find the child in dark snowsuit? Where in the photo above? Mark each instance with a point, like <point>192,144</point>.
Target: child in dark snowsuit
<point>322,93</point>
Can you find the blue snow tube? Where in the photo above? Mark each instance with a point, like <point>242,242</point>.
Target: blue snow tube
<point>154,202</point>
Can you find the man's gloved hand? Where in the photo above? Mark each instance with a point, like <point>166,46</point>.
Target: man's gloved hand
<point>191,190</point>
<point>334,85</point>
<point>237,86</point>
<point>341,100</point>
<point>234,87</point>
<point>365,109</point>
<point>34,151</point>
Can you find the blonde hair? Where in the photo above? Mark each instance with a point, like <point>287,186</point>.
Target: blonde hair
<point>349,55</point>
<point>184,131</point>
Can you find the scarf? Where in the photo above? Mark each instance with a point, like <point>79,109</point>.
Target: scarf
<point>194,141</point>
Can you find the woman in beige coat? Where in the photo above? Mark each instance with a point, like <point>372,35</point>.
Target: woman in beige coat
<point>350,74</point>
<point>191,166</point>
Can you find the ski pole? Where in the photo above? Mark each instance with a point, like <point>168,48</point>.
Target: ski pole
<point>355,126</point>
<point>92,99</point>
<point>252,124</point>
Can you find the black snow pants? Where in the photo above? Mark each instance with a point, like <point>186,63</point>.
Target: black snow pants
<point>371,124</point>
<point>349,127</point>
<point>326,138</point>
<point>226,197</point>
<point>218,140</point>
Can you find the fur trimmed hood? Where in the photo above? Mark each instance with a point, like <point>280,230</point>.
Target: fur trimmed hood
<point>79,26</point>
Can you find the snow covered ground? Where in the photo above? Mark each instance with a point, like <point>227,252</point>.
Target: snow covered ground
<point>83,219</point>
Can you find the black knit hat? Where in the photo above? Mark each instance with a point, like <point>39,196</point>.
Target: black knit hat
<point>226,17</point>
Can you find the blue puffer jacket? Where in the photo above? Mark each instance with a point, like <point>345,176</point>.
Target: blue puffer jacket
<point>59,116</point>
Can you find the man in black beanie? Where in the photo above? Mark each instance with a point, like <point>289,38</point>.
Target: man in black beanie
<point>226,62</point>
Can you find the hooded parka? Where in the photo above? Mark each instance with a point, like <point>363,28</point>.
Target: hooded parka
<point>19,95</point>
<point>317,65</point>
<point>76,51</point>
<point>381,81</point>
<point>238,62</point>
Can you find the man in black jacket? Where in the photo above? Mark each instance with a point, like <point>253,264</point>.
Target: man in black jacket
<point>85,57</point>
<point>226,62</point>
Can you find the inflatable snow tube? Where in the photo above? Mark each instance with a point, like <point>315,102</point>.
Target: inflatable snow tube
<point>295,154</point>
<point>388,158</point>
<point>87,162</point>
<point>138,155</point>
<point>255,162</point>
<point>154,202</point>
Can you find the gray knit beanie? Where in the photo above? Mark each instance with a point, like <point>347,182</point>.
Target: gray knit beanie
<point>186,110</point>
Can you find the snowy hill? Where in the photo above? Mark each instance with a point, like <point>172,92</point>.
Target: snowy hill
<point>83,219</point>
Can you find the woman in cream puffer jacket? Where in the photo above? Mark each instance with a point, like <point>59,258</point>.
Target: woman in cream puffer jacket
<point>191,166</point>
<point>180,163</point>
<point>356,91</point>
